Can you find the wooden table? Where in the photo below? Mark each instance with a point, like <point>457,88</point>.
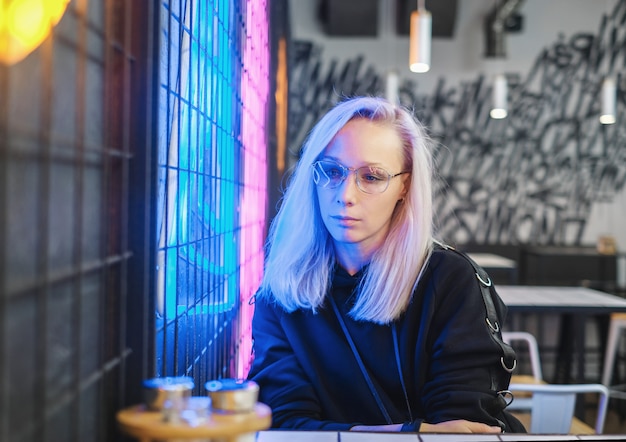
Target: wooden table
<point>145,425</point>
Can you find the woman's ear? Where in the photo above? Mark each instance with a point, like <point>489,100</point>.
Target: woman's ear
<point>406,182</point>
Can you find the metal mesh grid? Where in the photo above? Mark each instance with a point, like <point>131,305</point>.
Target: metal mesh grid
<point>212,184</point>
<point>77,228</point>
<point>65,152</point>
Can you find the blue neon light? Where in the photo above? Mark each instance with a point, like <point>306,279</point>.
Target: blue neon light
<point>200,169</point>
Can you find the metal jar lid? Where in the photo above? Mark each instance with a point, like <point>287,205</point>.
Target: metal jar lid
<point>232,395</point>
<point>158,390</point>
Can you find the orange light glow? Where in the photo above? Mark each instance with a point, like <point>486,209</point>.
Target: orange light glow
<point>281,106</point>
<point>25,24</point>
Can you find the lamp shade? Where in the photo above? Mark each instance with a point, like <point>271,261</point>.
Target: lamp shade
<point>609,92</point>
<point>25,24</point>
<point>500,97</point>
<point>391,87</point>
<point>419,44</point>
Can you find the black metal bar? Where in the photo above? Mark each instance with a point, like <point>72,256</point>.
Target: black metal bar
<point>4,158</point>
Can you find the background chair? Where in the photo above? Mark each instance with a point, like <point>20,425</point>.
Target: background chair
<point>552,406</point>
<point>513,338</point>
<point>510,338</point>
<point>618,325</point>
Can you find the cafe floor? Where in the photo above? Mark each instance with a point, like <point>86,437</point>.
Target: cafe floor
<point>615,422</point>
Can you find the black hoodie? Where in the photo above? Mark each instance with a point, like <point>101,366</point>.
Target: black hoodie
<point>310,377</point>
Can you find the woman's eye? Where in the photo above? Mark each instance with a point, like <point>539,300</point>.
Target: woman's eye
<point>372,175</point>
<point>333,172</point>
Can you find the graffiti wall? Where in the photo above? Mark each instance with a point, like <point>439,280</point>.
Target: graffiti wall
<point>532,178</point>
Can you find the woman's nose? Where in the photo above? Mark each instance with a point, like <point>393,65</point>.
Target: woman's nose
<point>348,189</point>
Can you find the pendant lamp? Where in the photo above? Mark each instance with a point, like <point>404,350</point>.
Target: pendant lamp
<point>420,39</point>
<point>499,98</point>
<point>608,101</point>
<point>391,86</point>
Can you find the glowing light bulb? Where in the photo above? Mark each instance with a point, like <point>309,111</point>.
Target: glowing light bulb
<point>25,24</point>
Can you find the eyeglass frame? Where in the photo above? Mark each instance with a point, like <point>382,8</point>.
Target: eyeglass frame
<point>346,173</point>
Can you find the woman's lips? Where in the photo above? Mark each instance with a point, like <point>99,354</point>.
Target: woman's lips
<point>345,221</point>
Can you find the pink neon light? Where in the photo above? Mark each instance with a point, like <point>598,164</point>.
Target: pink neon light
<point>254,93</point>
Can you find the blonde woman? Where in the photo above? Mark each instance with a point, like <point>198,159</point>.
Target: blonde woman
<point>362,322</point>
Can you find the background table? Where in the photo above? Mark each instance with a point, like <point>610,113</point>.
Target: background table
<point>494,264</point>
<point>575,305</point>
<point>541,299</point>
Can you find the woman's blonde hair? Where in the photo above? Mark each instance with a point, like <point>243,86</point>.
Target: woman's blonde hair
<point>300,252</point>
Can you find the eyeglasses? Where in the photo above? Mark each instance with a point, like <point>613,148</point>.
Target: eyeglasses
<point>369,179</point>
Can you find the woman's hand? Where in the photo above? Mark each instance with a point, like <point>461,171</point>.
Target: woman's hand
<point>458,426</point>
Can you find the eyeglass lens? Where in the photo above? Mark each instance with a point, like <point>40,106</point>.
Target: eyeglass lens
<point>370,179</point>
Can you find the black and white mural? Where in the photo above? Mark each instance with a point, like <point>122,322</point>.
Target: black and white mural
<point>531,178</point>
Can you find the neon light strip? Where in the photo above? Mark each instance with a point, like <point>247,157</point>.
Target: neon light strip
<point>254,94</point>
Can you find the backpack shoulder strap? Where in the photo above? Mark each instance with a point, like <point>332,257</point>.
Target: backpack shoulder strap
<point>493,305</point>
